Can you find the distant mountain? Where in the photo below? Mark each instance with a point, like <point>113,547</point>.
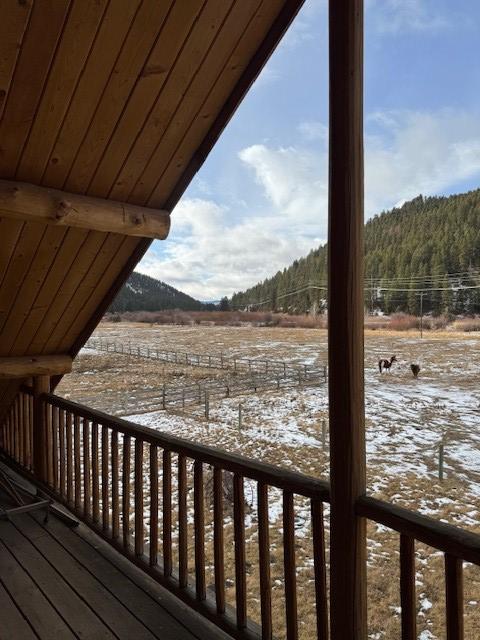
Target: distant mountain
<point>424,252</point>
<point>142,293</point>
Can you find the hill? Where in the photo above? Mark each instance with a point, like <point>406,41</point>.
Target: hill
<point>424,252</point>
<point>142,293</point>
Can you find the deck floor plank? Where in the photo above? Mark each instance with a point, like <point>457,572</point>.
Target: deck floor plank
<point>13,625</point>
<point>57,582</point>
<point>110,610</point>
<point>30,600</point>
<point>139,592</point>
<point>53,585</point>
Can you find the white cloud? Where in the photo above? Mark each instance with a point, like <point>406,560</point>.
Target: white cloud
<point>391,16</point>
<point>293,180</point>
<point>416,152</point>
<point>407,152</point>
<point>208,257</point>
<point>313,130</point>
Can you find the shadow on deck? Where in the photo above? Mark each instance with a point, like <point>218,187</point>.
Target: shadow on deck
<point>58,582</point>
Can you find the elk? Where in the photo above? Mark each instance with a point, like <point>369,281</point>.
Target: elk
<point>386,364</point>
<point>415,370</point>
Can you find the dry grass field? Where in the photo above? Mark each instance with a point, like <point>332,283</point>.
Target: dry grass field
<point>407,419</point>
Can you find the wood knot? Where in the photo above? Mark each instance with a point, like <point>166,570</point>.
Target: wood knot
<point>62,209</point>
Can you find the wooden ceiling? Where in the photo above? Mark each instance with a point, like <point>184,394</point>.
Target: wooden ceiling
<point>118,99</point>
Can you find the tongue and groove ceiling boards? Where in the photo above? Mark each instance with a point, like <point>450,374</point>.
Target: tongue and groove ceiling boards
<point>116,99</point>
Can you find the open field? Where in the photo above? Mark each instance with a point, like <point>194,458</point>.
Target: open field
<point>406,421</point>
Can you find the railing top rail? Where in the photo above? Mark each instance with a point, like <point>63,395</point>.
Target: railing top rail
<point>260,471</point>
<point>440,535</point>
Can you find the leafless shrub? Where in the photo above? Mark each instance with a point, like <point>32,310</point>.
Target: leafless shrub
<point>403,322</point>
<point>467,324</point>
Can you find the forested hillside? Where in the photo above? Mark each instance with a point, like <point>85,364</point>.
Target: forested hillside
<point>142,293</point>
<point>425,252</point>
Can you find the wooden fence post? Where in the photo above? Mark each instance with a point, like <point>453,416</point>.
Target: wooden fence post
<point>440,460</point>
<point>207,405</point>
<point>41,384</point>
<point>348,567</point>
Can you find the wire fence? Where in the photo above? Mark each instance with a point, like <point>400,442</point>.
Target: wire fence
<point>209,361</point>
<point>244,376</point>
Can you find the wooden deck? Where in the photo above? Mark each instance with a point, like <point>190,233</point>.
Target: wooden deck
<point>62,583</point>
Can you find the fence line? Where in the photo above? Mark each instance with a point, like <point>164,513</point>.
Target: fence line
<point>253,380</point>
<point>208,361</point>
<point>195,394</point>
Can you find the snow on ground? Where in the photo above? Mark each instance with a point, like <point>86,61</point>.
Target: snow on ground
<point>406,420</point>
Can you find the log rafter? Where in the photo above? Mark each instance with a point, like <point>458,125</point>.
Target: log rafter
<point>28,202</point>
<point>31,366</point>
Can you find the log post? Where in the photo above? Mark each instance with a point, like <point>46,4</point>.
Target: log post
<point>345,322</point>
<point>41,384</point>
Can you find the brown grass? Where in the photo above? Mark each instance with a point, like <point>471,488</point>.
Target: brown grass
<point>411,491</point>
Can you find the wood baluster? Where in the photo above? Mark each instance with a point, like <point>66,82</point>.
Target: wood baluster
<point>6,437</point>
<point>407,587</point>
<point>320,568</point>
<point>105,483</point>
<point>182,522</point>
<point>264,561</point>
<point>69,435</point>
<point>47,409</point>
<point>87,470</point>
<point>3,431</point>
<point>167,512</point>
<point>76,461</point>
<point>126,492</point>
<point>55,456</point>
<point>61,453</point>
<point>289,566</point>
<point>138,497</point>
<point>26,414</point>
<point>95,475</point>
<point>199,525</point>
<point>239,536</point>
<point>11,432</point>
<point>454,597</point>
<point>115,491</point>
<point>15,431</point>
<point>31,421</point>
<point>218,541</point>
<point>153,555</point>
<point>21,430</point>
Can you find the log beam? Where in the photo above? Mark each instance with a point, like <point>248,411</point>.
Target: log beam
<point>32,203</point>
<point>32,366</point>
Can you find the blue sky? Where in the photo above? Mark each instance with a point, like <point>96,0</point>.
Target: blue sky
<point>260,200</point>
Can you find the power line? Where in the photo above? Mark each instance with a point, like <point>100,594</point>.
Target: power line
<point>381,285</point>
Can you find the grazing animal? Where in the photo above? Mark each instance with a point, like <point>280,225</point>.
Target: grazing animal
<point>386,364</point>
<point>415,370</point>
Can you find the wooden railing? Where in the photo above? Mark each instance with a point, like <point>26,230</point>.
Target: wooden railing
<point>179,511</point>
<point>457,545</point>
<point>133,486</point>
